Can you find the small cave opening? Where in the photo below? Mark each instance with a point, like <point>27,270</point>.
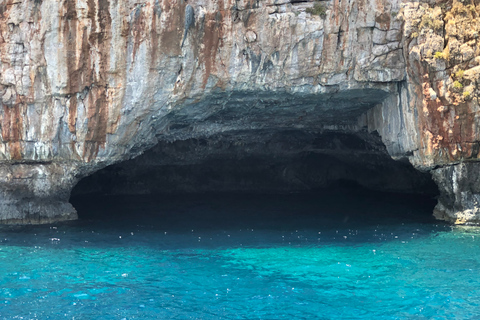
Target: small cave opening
<point>271,177</point>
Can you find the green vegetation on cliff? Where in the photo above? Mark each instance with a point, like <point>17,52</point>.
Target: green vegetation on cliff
<point>446,37</point>
<point>318,9</point>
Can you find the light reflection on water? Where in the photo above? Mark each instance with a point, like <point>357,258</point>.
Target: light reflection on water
<point>242,257</point>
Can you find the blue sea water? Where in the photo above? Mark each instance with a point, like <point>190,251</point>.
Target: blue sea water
<point>324,256</point>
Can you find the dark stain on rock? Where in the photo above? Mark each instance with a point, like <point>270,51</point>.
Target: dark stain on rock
<point>267,65</point>
<point>97,123</point>
<point>189,22</point>
<point>475,150</point>
<point>213,32</point>
<point>138,26</point>
<point>104,18</point>
<point>252,4</point>
<point>246,17</point>
<point>154,36</point>
<point>171,35</point>
<point>70,35</point>
<point>383,19</point>
<point>254,60</point>
<point>71,12</point>
<point>3,9</point>
<point>4,6</point>
<point>12,124</point>
<point>157,10</point>
<point>72,114</point>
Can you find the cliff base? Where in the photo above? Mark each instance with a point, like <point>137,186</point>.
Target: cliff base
<point>459,186</point>
<point>36,193</point>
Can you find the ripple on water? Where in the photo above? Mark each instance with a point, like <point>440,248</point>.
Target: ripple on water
<point>238,259</point>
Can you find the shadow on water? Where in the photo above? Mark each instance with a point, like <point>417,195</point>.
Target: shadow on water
<point>334,216</point>
<point>333,211</point>
<point>342,253</point>
<point>333,207</point>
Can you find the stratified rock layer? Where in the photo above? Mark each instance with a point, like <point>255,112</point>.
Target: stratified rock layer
<point>36,192</point>
<point>84,84</point>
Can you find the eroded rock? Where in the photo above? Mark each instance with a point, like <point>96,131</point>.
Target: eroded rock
<point>36,192</point>
<point>459,186</point>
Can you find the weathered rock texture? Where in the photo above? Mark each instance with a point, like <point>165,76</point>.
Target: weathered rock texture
<point>459,200</point>
<point>36,193</point>
<point>438,105</point>
<point>85,84</point>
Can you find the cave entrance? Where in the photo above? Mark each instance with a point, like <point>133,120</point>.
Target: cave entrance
<point>322,169</point>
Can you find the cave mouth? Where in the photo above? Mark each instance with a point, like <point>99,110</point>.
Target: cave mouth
<point>210,213</point>
<point>291,166</point>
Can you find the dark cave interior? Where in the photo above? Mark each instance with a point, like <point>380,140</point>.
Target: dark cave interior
<point>262,163</point>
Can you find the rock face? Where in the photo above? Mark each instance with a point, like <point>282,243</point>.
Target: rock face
<point>438,108</point>
<point>85,84</point>
<point>460,193</point>
<point>36,193</point>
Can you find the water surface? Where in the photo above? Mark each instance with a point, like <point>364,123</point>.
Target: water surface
<point>325,256</point>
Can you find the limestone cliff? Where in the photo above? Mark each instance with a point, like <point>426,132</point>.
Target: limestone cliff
<point>85,84</point>
<point>438,105</point>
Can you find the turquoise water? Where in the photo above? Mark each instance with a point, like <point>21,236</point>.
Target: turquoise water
<point>336,256</point>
